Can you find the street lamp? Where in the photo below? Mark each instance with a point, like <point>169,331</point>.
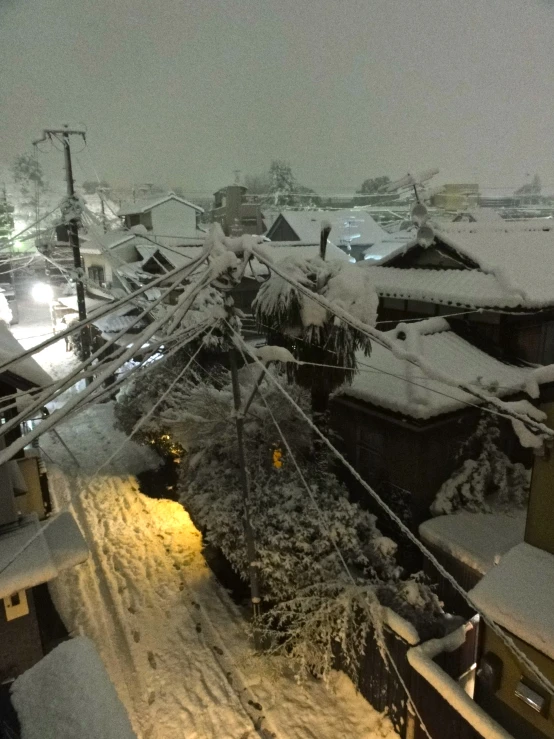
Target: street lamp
<point>41,292</point>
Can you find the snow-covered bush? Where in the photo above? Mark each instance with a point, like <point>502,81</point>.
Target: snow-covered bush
<point>487,481</point>
<point>313,604</point>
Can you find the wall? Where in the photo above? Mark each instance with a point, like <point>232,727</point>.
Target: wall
<point>539,531</point>
<point>503,702</point>
<point>281,231</point>
<point>410,460</point>
<point>174,219</point>
<point>20,644</point>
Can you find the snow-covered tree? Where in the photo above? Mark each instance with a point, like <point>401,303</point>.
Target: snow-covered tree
<point>28,175</point>
<point>310,332</point>
<point>374,185</point>
<point>487,480</point>
<point>312,603</point>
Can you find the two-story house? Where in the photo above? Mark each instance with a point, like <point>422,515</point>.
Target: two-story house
<point>166,216</point>
<point>235,212</point>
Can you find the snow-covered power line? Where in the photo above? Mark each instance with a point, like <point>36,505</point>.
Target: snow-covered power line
<point>412,357</point>
<point>321,517</point>
<point>143,419</point>
<point>107,371</point>
<point>66,382</point>
<point>402,526</point>
<point>182,272</point>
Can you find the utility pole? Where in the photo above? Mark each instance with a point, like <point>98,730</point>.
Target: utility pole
<point>248,531</point>
<point>63,134</point>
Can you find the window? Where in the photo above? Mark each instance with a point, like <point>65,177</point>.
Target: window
<point>96,273</point>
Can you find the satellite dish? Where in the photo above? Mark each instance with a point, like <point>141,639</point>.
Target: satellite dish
<point>419,214</point>
<point>425,236</point>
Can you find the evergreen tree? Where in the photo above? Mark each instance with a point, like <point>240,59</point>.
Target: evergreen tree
<point>487,480</point>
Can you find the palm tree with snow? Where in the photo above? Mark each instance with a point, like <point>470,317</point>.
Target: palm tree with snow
<point>324,346</point>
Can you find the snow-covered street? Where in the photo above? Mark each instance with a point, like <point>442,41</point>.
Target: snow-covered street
<point>173,642</point>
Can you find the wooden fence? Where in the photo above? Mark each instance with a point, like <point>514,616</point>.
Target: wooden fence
<point>381,686</point>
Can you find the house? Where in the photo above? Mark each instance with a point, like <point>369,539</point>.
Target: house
<point>518,594</point>
<point>353,231</point>
<point>495,277</point>
<point>235,212</point>
<point>166,215</point>
<point>402,430</point>
<point>456,196</point>
<point>102,255</point>
<point>34,544</point>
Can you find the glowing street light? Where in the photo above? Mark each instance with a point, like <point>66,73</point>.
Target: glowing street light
<point>41,292</point>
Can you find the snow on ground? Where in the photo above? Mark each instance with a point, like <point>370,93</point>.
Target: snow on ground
<point>34,327</point>
<point>173,642</point>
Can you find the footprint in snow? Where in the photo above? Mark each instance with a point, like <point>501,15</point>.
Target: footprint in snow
<point>151,697</point>
<point>199,628</point>
<point>152,660</point>
<point>257,706</point>
<point>136,636</point>
<point>217,649</point>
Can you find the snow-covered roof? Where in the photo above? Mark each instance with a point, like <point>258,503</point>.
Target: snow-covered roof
<point>69,695</point>
<point>388,247</point>
<point>454,287</point>
<point>284,249</point>
<point>519,595</point>
<point>28,369</point>
<point>97,242</point>
<point>514,263</point>
<point>479,540</point>
<point>35,552</point>
<point>347,226</point>
<point>479,215</point>
<point>392,383</point>
<point>146,204</point>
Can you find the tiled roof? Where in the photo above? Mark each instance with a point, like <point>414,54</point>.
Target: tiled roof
<point>392,383</point>
<point>516,263</point>
<point>455,287</point>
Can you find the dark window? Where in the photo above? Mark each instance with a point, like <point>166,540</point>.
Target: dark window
<point>96,273</point>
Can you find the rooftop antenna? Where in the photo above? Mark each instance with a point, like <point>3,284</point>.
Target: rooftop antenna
<point>412,181</point>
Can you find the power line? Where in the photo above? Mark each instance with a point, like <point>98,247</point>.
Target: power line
<point>393,346</point>
<point>104,310</point>
<point>110,368</point>
<point>405,530</point>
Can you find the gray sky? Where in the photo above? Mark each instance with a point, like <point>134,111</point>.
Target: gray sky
<point>184,92</point>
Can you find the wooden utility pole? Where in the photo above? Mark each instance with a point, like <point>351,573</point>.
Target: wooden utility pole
<point>63,135</point>
<point>245,485</point>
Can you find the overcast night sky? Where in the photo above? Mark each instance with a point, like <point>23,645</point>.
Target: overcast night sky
<point>186,92</point>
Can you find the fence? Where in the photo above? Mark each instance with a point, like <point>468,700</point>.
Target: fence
<point>381,687</point>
